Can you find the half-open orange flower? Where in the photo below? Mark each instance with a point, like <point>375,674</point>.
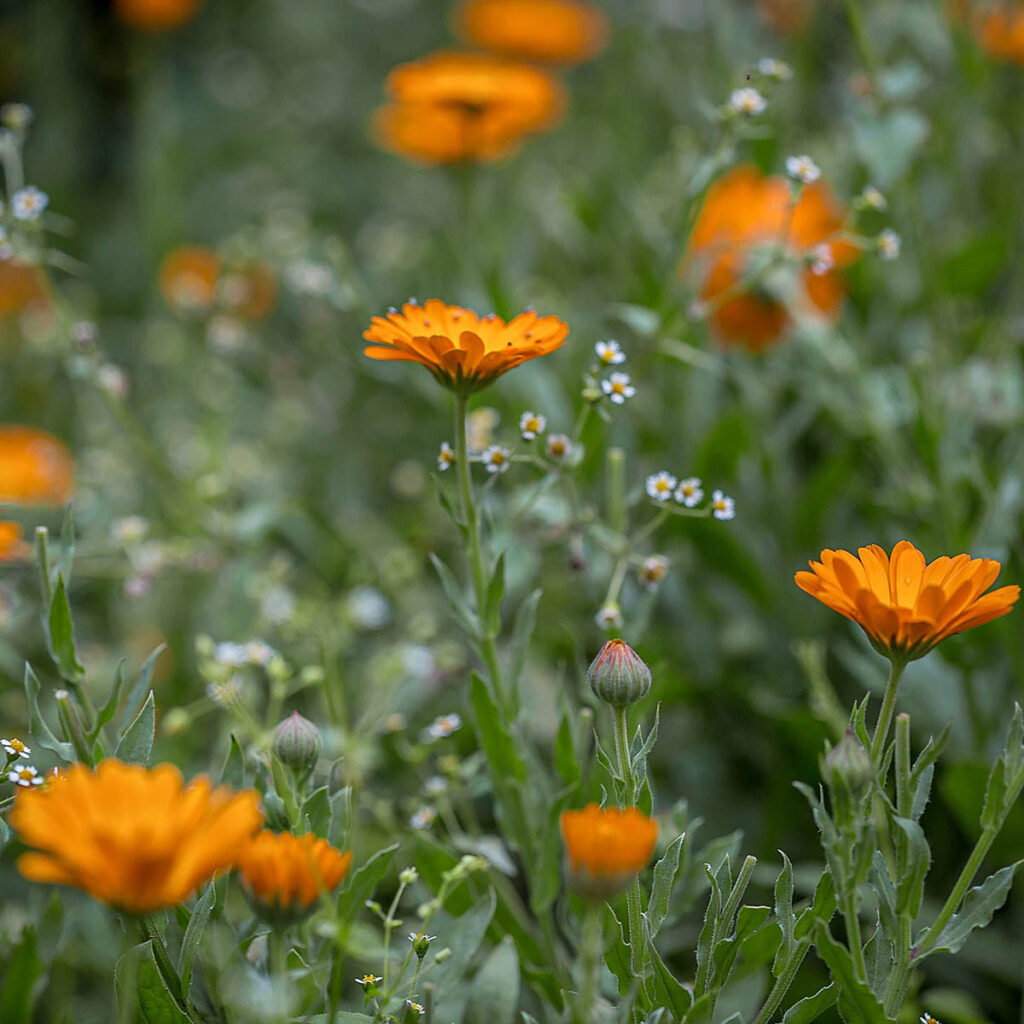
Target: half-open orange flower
<point>998,26</point>
<point>13,547</point>
<point>22,286</point>
<point>35,468</point>
<point>188,278</point>
<point>606,848</point>
<point>743,215</point>
<point>285,874</point>
<point>156,15</point>
<point>552,31</point>
<point>903,604</point>
<point>464,351</point>
<point>456,107</point>
<point>136,838</point>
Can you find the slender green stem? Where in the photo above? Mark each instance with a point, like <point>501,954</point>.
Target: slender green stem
<point>782,983</point>
<point>885,715</point>
<point>615,467</point>
<point>896,988</point>
<point>848,908</point>
<point>474,548</point>
<point>637,948</point>
<point>591,950</point>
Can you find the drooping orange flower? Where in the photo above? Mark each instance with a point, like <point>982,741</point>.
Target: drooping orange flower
<point>551,31</point>
<point>188,278</point>
<point>156,15</point>
<point>285,874</point>
<point>606,848</point>
<point>786,16</point>
<point>465,107</point>
<point>135,838</point>
<point>903,604</point>
<point>743,213</point>
<point>22,286</point>
<point>464,351</point>
<point>35,468</point>
<point>998,26</point>
<point>13,547</point>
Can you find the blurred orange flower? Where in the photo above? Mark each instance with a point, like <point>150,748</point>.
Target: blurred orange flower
<point>13,547</point>
<point>998,27</point>
<point>133,837</point>
<point>21,285</point>
<point>746,210</point>
<point>786,16</point>
<point>156,15</point>
<point>552,31</point>
<point>464,351</point>
<point>285,874</point>
<point>193,278</point>
<point>606,848</point>
<point>35,468</point>
<point>455,107</point>
<point>903,604</point>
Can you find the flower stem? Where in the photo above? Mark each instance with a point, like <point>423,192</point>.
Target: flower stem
<point>782,983</point>
<point>637,949</point>
<point>848,908</point>
<point>885,715</point>
<point>474,549</point>
<point>591,950</point>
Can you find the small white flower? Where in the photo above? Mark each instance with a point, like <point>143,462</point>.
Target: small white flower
<point>442,727</point>
<point>25,776</point>
<point>609,616</point>
<point>435,786</point>
<point>310,278</point>
<point>395,722</point>
<point>660,486</point>
<point>531,424</point>
<point>610,353</point>
<point>722,506</point>
<point>618,388</point>
<point>873,199</point>
<point>413,936</point>
<point>888,243</point>
<point>423,818</point>
<point>112,379</point>
<point>802,168</point>
<point>927,1018</point>
<point>822,260</point>
<point>15,748</point>
<point>259,652</point>
<point>28,203</point>
<point>225,693</point>
<point>408,876</point>
<point>415,1007</point>
<point>689,492</point>
<point>445,457</point>
<point>697,310</point>
<point>228,653</point>
<point>84,332</point>
<point>496,459</point>
<point>559,447</point>
<point>747,101</point>
<point>777,69</point>
<point>653,571</point>
<point>16,116</point>
<point>368,608</point>
<point>368,979</point>
<point>129,529</point>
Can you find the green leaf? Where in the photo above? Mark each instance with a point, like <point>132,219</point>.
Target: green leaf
<point>233,772</point>
<point>882,885</point>
<point>141,987</point>
<point>464,614</point>
<point>497,743</point>
<point>979,905</point>
<point>857,1002</point>
<point>61,635</point>
<point>137,742</point>
<point>995,795</point>
<point>810,1008</point>
<point>668,990</point>
<point>494,993</point>
<point>784,914</point>
<point>316,812</point>
<point>566,763</point>
<point>878,958</point>
<point>707,932</point>
<point>37,727</point>
<point>106,712</point>
<point>917,861</point>
<point>341,817</point>
<point>363,882</point>
<point>463,936</point>
<point>522,630</point>
<point>141,687</point>
<point>495,592</point>
<point>21,972</point>
<point>616,952</point>
<point>194,934</point>
<point>665,872</point>
<point>822,907</point>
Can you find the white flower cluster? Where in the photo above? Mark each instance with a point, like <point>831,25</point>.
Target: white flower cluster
<point>664,487</point>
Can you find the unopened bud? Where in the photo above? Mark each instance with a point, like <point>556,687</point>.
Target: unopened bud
<point>847,767</point>
<point>275,812</point>
<point>297,743</point>
<point>408,876</point>
<point>618,675</point>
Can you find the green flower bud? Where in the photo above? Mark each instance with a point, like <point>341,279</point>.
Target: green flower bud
<point>618,675</point>
<point>421,943</point>
<point>408,876</point>
<point>275,812</point>
<point>297,743</point>
<point>846,769</point>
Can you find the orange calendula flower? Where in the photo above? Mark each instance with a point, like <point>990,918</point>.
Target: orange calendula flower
<point>135,838</point>
<point>35,468</point>
<point>465,107</point>
<point>188,278</point>
<point>998,26</point>
<point>905,605</point>
<point>464,351</point>
<point>552,31</point>
<point>285,874</point>
<point>22,286</point>
<point>156,15</point>
<point>743,215</point>
<point>13,547</point>
<point>606,848</point>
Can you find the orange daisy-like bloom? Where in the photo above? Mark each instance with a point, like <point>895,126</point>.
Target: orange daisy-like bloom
<point>465,107</point>
<point>464,351</point>
<point>903,604</point>
<point>746,211</point>
<point>13,547</point>
<point>552,31</point>
<point>285,874</point>
<point>188,278</point>
<point>156,15</point>
<point>998,27</point>
<point>786,16</point>
<point>136,838</point>
<point>606,848</point>
<point>35,468</point>
<point>22,286</point>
